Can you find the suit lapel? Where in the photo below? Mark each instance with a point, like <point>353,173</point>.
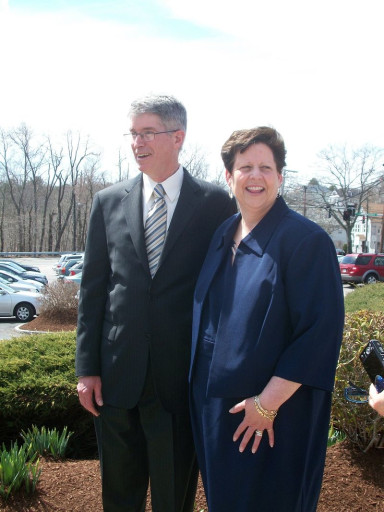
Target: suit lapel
<point>132,204</point>
<point>211,265</point>
<point>188,203</point>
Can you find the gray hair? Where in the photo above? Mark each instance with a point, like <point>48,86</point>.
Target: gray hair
<point>171,112</point>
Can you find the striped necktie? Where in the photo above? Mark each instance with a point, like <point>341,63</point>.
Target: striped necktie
<point>155,228</point>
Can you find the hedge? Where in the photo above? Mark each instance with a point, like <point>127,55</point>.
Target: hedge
<point>38,387</point>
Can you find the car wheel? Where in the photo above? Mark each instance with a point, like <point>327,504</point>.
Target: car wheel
<point>24,312</point>
<point>370,279</point>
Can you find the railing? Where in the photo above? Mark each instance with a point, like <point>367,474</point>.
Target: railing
<point>36,254</point>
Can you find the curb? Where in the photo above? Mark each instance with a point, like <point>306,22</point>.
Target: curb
<point>17,328</point>
<point>25,331</point>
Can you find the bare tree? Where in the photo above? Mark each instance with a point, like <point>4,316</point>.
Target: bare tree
<point>194,159</point>
<point>32,157</point>
<point>78,157</point>
<point>51,179</point>
<point>349,179</point>
<point>16,172</point>
<point>122,166</point>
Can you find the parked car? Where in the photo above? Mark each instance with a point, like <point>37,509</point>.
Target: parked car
<point>72,279</point>
<point>362,268</point>
<point>19,271</point>
<point>66,266</point>
<point>340,252</point>
<point>77,268</point>
<point>23,305</point>
<point>18,283</point>
<point>66,257</point>
<point>25,267</point>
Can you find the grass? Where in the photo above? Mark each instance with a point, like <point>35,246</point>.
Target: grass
<point>368,297</point>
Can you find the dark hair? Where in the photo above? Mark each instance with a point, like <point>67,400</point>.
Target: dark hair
<point>240,140</point>
<point>171,112</point>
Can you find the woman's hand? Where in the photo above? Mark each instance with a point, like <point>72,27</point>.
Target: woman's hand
<point>376,400</point>
<point>252,424</point>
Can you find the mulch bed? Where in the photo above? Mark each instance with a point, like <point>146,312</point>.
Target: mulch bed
<point>353,482</point>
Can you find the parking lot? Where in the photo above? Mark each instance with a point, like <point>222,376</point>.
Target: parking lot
<point>8,325</point>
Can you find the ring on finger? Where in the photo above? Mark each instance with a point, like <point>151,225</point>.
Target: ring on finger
<point>259,433</point>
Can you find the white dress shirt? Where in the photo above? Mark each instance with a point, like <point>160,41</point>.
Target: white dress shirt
<point>172,187</point>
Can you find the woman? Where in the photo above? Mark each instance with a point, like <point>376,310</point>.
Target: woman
<point>267,328</point>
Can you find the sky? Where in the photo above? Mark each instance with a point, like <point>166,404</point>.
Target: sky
<point>313,70</point>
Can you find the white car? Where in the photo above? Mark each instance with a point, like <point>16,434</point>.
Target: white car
<point>20,285</point>
<point>23,305</point>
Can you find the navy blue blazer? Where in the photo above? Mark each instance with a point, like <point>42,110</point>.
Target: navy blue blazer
<point>283,307</point>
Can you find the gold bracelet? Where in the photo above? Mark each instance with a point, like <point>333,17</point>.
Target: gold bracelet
<point>270,415</point>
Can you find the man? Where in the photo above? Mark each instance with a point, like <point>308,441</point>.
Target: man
<point>144,250</point>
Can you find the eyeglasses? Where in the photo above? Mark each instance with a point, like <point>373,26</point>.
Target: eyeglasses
<point>148,136</point>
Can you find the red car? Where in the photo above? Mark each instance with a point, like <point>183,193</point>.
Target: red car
<point>362,268</point>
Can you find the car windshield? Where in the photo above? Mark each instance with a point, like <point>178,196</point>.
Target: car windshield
<point>348,259</point>
<point>12,271</point>
<point>7,288</point>
<point>15,266</point>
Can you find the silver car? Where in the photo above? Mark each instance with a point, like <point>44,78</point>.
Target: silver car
<point>23,305</point>
<point>18,283</point>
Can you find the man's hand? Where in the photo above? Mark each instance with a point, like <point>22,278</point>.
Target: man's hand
<point>89,390</point>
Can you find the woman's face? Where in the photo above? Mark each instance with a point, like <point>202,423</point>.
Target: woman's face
<point>254,180</point>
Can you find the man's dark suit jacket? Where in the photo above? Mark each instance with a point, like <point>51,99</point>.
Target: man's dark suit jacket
<point>125,316</point>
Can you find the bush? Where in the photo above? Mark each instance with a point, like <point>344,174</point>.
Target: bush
<point>38,387</point>
<point>59,301</point>
<point>358,422</point>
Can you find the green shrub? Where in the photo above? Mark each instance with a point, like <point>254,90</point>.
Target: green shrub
<point>47,442</point>
<point>19,467</point>
<point>368,296</point>
<point>358,422</point>
<point>38,387</point>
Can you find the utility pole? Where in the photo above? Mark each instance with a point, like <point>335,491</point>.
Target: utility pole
<point>381,248</point>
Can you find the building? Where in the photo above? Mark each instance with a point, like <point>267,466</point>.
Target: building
<point>367,233</point>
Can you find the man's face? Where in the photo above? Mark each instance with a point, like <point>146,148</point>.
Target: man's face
<point>157,158</point>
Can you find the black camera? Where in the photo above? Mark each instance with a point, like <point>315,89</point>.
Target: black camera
<point>372,358</point>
